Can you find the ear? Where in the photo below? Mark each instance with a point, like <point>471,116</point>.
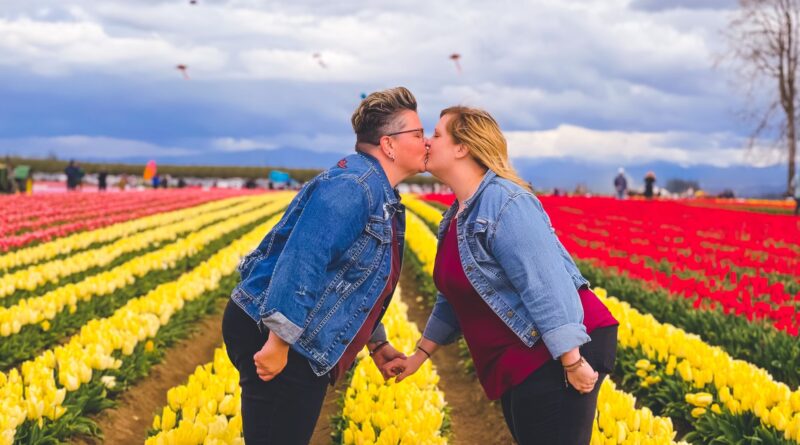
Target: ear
<point>461,151</point>
<point>386,146</point>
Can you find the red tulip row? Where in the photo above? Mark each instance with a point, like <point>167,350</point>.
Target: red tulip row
<point>745,263</point>
<point>39,218</point>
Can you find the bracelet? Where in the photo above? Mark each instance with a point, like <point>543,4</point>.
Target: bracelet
<point>377,348</point>
<point>424,351</point>
<point>576,365</point>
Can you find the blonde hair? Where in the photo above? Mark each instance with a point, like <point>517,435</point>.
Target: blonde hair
<point>479,132</point>
<point>376,114</point>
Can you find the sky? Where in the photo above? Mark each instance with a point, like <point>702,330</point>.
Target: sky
<point>608,81</point>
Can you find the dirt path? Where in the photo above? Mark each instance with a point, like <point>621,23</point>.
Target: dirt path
<point>475,420</point>
<point>129,421</point>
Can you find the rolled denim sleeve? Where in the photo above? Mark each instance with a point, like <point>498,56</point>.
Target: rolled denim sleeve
<point>379,334</point>
<point>334,216</point>
<point>442,327</point>
<point>526,247</point>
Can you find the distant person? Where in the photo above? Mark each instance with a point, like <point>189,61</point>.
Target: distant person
<point>73,173</point>
<point>649,182</point>
<point>102,178</point>
<point>156,181</point>
<point>621,183</point>
<point>181,183</point>
<point>123,182</point>
<point>250,184</point>
<point>796,183</point>
<point>7,183</point>
<point>165,182</point>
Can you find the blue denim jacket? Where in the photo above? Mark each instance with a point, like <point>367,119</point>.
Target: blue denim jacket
<point>512,257</point>
<point>318,273</point>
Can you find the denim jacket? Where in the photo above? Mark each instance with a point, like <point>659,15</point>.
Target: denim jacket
<point>318,273</point>
<point>512,257</point>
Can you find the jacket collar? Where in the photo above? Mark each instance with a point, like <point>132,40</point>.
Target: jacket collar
<point>391,194</point>
<point>487,178</point>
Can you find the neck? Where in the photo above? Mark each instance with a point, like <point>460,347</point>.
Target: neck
<point>464,180</point>
<point>392,174</point>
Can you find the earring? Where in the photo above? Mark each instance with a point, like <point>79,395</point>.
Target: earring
<point>391,157</point>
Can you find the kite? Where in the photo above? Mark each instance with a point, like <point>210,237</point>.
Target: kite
<point>193,2</point>
<point>182,68</point>
<point>149,171</point>
<point>318,58</point>
<point>454,57</point>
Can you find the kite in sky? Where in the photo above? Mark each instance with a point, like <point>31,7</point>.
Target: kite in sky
<point>454,57</point>
<point>318,58</point>
<point>182,68</point>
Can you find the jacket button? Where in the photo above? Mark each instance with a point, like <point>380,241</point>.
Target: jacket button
<point>469,268</point>
<point>364,309</point>
<point>534,333</point>
<point>510,314</point>
<point>345,341</point>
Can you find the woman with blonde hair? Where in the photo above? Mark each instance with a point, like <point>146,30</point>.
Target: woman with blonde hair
<point>506,282</point>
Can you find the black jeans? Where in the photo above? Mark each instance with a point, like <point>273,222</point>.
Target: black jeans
<point>283,411</point>
<point>542,410</point>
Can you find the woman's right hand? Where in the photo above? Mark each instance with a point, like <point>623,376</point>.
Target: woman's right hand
<point>583,378</point>
<point>409,365</point>
<point>271,358</point>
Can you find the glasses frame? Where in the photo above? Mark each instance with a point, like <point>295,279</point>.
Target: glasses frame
<point>407,131</point>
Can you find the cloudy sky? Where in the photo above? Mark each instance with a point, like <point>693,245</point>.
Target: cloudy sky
<point>607,80</point>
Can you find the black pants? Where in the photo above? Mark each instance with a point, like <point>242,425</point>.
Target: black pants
<point>542,410</point>
<point>283,411</point>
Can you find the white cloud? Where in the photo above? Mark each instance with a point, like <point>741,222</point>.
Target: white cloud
<point>631,148</point>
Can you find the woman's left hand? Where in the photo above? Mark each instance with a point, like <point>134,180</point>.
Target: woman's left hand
<point>583,378</point>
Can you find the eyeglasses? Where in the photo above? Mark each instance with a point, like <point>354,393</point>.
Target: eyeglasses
<point>420,130</point>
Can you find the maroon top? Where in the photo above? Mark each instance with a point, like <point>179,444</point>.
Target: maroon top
<point>363,335</point>
<point>501,359</point>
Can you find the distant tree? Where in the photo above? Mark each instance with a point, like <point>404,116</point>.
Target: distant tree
<point>681,185</point>
<point>763,39</point>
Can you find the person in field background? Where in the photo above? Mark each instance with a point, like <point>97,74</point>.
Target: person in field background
<point>313,293</point>
<point>541,341</point>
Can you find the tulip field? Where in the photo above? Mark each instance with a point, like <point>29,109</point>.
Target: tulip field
<point>96,290</point>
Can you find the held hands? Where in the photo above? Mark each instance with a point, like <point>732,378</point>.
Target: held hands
<point>271,358</point>
<point>408,366</point>
<point>388,359</point>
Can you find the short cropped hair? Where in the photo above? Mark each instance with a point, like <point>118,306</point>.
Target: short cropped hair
<point>376,115</point>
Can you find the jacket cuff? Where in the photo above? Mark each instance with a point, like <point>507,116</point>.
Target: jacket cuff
<point>580,281</point>
<point>440,332</point>
<point>379,334</point>
<point>282,327</point>
<point>565,338</point>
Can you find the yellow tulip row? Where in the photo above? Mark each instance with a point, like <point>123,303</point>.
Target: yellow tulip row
<point>37,389</point>
<point>740,386</point>
<point>46,307</point>
<point>206,410</point>
<point>49,272</point>
<point>388,413</point>
<point>425,211</point>
<point>82,240</point>
<point>618,421</point>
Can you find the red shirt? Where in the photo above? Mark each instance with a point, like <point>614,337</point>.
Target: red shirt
<point>501,359</point>
<point>364,334</point>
